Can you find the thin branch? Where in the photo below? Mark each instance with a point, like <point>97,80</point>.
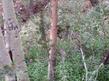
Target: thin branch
<point>85,65</point>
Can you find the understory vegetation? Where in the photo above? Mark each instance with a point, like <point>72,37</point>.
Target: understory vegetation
<point>86,42</point>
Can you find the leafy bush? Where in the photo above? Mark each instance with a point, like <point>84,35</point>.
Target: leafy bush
<point>93,31</point>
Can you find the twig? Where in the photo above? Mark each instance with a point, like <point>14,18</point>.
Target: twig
<point>95,72</point>
<point>85,65</point>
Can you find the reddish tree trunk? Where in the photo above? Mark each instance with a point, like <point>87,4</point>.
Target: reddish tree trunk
<point>53,41</point>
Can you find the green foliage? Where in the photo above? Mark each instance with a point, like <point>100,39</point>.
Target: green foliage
<point>37,53</point>
<point>71,69</point>
<point>103,74</point>
<point>38,70</point>
<point>93,31</point>
<point>37,64</point>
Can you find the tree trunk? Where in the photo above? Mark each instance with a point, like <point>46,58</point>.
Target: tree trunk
<point>4,57</point>
<point>12,40</point>
<point>53,41</point>
<point>5,60</point>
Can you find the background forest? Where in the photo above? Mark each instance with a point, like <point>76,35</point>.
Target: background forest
<point>82,43</point>
<point>91,29</point>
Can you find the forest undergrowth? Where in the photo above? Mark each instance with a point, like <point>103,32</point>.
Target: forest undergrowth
<point>79,54</point>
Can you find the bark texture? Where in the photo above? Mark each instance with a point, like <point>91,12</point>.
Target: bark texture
<point>12,40</point>
<point>4,56</point>
<point>53,41</point>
